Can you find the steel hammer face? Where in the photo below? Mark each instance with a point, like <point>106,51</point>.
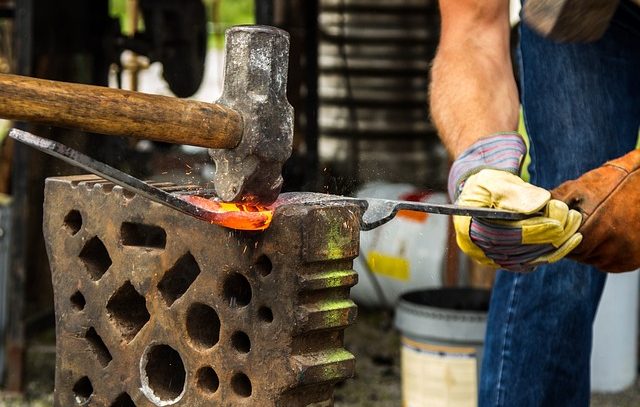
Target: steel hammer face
<point>255,82</point>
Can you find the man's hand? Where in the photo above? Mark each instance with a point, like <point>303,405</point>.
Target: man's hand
<point>518,245</point>
<point>608,198</point>
<point>484,176</point>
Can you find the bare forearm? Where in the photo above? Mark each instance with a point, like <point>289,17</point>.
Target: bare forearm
<point>473,93</point>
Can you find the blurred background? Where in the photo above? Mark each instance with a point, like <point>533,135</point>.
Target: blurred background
<point>358,77</point>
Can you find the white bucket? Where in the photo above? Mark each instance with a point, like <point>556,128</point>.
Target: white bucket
<point>615,335</point>
<point>402,255</point>
<point>442,339</point>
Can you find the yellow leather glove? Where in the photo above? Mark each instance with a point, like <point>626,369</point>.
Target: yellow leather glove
<point>486,175</point>
<point>515,245</point>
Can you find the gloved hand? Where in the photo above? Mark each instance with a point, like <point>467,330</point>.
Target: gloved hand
<point>608,199</point>
<point>485,175</point>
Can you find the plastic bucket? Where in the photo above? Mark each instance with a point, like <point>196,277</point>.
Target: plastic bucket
<point>401,255</point>
<point>442,335</point>
<point>614,357</point>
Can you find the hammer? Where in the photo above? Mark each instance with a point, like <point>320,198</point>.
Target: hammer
<point>248,131</point>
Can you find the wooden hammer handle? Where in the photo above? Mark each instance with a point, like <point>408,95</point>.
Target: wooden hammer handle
<point>118,112</point>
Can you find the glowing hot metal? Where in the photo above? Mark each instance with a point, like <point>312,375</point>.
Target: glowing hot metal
<point>232,215</point>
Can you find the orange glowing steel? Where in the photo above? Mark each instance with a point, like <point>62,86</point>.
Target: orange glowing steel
<point>234,215</point>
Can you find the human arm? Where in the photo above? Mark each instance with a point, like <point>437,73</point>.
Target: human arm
<point>474,104</point>
<point>473,92</point>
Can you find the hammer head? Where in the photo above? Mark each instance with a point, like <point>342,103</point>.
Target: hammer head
<point>255,83</point>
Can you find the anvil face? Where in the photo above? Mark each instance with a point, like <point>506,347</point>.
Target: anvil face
<point>155,307</point>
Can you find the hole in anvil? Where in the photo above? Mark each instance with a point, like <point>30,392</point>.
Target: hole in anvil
<point>96,258</point>
<point>107,187</point>
<point>241,385</point>
<point>123,400</point>
<point>73,221</point>
<point>208,380</point>
<point>83,390</point>
<point>241,342</point>
<point>137,234</point>
<point>237,290</point>
<point>203,325</point>
<point>127,309</point>
<point>265,314</point>
<point>164,373</point>
<point>177,280</point>
<point>77,301</point>
<point>264,265</point>
<point>98,347</point>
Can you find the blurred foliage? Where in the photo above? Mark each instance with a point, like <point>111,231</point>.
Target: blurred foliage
<point>221,14</point>
<point>5,126</point>
<point>233,12</point>
<point>118,9</point>
<point>524,174</point>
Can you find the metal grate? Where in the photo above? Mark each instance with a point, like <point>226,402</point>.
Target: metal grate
<point>374,61</point>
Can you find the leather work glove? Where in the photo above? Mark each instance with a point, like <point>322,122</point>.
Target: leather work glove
<point>608,198</point>
<point>485,175</point>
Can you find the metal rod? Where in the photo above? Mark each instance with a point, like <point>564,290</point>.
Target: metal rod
<point>116,176</point>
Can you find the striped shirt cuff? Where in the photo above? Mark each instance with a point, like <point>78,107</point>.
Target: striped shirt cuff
<point>500,151</point>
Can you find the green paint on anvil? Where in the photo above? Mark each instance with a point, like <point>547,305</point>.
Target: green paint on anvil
<point>332,305</point>
<point>335,312</point>
<point>334,368</point>
<point>330,372</point>
<point>336,241</point>
<point>337,356</point>
<point>327,365</point>
<point>333,279</point>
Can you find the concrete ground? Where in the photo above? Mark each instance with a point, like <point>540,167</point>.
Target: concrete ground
<point>377,383</point>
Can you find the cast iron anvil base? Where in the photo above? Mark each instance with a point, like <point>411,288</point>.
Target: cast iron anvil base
<point>156,308</point>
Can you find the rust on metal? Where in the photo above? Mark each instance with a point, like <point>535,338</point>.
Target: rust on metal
<point>157,308</point>
<point>255,85</point>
